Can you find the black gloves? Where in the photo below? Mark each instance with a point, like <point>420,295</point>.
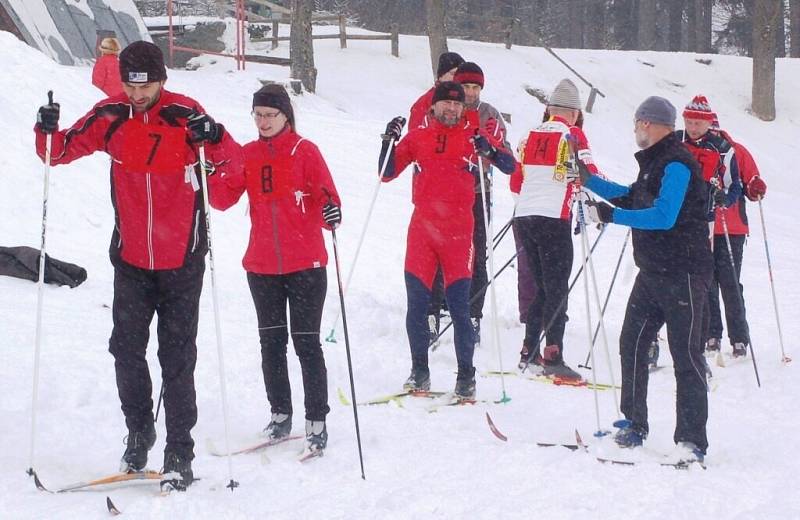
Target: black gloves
<point>484,147</point>
<point>332,214</point>
<point>47,117</point>
<point>203,128</point>
<point>599,212</point>
<point>394,128</point>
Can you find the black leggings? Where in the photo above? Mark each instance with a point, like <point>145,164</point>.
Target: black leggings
<point>305,292</point>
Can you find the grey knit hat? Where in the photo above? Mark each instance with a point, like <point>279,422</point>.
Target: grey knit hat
<point>656,110</point>
<point>565,95</point>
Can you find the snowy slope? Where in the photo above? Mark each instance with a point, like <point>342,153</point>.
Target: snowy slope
<point>418,465</point>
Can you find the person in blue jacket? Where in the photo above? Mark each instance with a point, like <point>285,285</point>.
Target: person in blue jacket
<point>667,209</point>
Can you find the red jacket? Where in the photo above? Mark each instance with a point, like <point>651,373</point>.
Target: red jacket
<point>155,185</point>
<point>736,214</point>
<point>420,109</point>
<point>105,75</point>
<point>443,183</point>
<point>287,184</point>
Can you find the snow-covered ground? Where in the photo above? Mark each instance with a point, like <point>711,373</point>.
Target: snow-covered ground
<point>418,464</point>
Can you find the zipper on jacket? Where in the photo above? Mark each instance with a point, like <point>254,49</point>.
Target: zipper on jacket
<point>150,222</point>
<point>273,207</point>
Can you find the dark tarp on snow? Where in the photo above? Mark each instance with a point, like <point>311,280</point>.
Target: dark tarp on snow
<point>23,262</point>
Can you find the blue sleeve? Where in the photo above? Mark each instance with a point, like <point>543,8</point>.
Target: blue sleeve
<point>665,209</point>
<point>606,189</point>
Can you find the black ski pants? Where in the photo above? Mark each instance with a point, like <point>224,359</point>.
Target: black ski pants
<point>726,280</point>
<point>174,295</point>
<point>548,246</point>
<point>480,276</point>
<point>305,293</point>
<point>676,300</point>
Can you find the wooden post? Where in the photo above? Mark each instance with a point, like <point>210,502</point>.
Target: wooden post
<point>274,34</point>
<point>590,102</point>
<point>342,32</point>
<point>395,28</point>
<point>509,32</point>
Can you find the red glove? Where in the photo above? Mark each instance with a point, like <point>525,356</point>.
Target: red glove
<point>756,188</point>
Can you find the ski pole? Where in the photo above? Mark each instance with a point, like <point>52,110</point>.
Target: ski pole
<point>40,296</point>
<point>331,338</point>
<point>584,242</point>
<point>474,298</point>
<point>600,309</point>
<point>561,304</point>
<point>487,222</point>
<point>160,398</point>
<point>217,328</point>
<point>784,358</point>
<point>738,289</point>
<point>502,233</point>
<point>347,349</point>
<point>608,296</point>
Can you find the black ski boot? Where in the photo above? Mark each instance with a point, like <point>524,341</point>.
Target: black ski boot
<point>139,442</point>
<point>316,436</point>
<point>177,473</point>
<point>465,384</point>
<point>419,380</point>
<point>739,350</point>
<point>280,426</point>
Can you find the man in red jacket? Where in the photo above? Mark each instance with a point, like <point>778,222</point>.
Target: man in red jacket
<point>159,240</point>
<point>445,71</point>
<point>725,281</point>
<point>440,232</point>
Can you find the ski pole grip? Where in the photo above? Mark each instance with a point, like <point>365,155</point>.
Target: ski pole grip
<point>49,97</point>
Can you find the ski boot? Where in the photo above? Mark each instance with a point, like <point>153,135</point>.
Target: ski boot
<point>689,453</point>
<point>652,354</point>
<point>177,474</point>
<point>419,380</point>
<point>465,385</point>
<point>138,442</point>
<point>713,345</point>
<point>552,363</point>
<point>628,436</point>
<point>280,426</point>
<point>739,350</point>
<point>316,437</point>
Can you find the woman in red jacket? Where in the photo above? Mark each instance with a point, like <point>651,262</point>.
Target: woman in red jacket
<point>292,197</point>
<point>105,74</point>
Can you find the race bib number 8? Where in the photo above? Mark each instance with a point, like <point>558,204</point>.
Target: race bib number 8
<point>154,148</point>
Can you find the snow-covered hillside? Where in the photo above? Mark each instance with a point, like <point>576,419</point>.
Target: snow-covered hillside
<point>418,464</point>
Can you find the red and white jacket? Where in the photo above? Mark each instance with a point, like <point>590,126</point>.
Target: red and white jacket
<point>736,214</point>
<point>155,185</point>
<point>287,184</point>
<point>544,154</point>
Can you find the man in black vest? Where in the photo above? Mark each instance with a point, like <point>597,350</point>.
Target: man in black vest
<point>667,208</point>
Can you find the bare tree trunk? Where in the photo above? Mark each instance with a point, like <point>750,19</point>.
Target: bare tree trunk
<point>437,34</point>
<point>575,35</point>
<point>647,25</point>
<point>676,25</point>
<point>596,24</point>
<point>794,28</point>
<point>768,14</point>
<point>702,10</point>
<point>301,47</point>
<point>692,17</point>
<point>780,33</point>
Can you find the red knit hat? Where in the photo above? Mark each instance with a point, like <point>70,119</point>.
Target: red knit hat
<point>699,109</point>
<point>469,72</point>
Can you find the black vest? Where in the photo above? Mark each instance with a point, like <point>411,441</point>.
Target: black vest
<point>684,248</point>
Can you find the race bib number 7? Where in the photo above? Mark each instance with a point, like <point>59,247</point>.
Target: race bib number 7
<point>157,149</point>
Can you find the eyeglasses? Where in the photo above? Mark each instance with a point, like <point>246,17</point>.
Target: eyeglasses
<point>260,116</point>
